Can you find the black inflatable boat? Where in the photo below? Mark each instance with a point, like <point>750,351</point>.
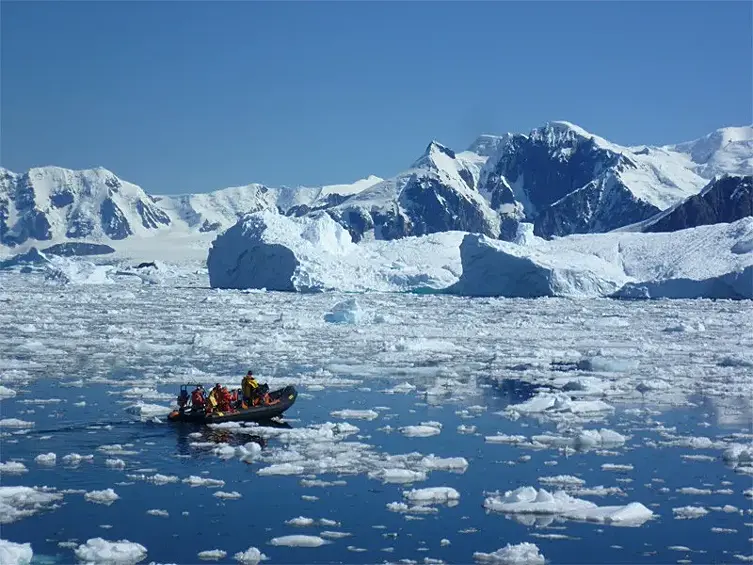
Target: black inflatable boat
<point>280,399</point>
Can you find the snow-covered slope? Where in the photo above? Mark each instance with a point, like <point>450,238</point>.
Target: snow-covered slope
<point>312,254</point>
<point>726,150</point>
<point>567,180</point>
<point>51,203</point>
<point>714,261</point>
<point>725,199</point>
<point>438,193</point>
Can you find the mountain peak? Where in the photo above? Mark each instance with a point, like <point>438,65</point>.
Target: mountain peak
<point>487,144</point>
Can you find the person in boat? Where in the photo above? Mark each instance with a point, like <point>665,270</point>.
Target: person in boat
<point>214,398</point>
<point>198,402</point>
<point>249,390</point>
<point>224,400</point>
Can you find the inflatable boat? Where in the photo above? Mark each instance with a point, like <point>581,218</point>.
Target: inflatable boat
<point>279,401</point>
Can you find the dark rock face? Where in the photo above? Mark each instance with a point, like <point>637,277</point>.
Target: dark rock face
<point>208,226</point>
<point>600,206</point>
<point>725,200</point>
<point>151,216</point>
<point>114,222</point>
<point>75,248</point>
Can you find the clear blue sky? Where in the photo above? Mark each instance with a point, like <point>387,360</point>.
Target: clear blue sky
<point>195,96</point>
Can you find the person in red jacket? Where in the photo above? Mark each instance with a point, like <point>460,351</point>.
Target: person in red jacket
<point>198,402</point>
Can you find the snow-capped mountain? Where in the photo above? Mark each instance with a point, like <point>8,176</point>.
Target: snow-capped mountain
<point>53,203</point>
<point>567,180</point>
<point>559,177</point>
<point>438,193</point>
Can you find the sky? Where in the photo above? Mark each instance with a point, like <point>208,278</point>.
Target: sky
<point>194,96</point>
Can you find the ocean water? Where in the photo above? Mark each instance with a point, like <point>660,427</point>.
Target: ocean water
<point>91,370</point>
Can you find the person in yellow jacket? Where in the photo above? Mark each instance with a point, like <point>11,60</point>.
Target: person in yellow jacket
<point>249,388</point>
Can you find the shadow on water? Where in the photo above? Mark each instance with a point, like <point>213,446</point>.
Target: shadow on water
<point>504,392</point>
<point>184,434</point>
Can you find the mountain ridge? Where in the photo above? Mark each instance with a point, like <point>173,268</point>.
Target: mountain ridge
<point>558,176</point>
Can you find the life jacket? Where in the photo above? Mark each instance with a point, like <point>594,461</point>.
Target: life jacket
<point>249,385</point>
<point>197,399</point>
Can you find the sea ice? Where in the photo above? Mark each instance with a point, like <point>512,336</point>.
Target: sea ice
<point>251,556</point>
<point>107,496</point>
<point>521,554</point>
<point>15,553</point>
<point>298,541</point>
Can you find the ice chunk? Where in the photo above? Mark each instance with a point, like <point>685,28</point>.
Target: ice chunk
<point>356,414</point>
<point>432,495</point>
<point>426,429</point>
<point>6,392</point>
<point>298,541</point>
<point>13,468</point>
<point>525,553</point>
<point>432,463</point>
<point>688,512</point>
<point>48,459</point>
<point>562,480</point>
<point>528,500</point>
<point>233,495</point>
<point>15,423</point>
<point>195,481</point>
<point>15,553</point>
<point>251,556</point>
<point>75,459</point>
<point>300,521</point>
<point>346,312</point>
<point>101,551</point>
<point>115,463</point>
<point>20,502</point>
<point>212,554</point>
<point>107,496</point>
<point>398,475</point>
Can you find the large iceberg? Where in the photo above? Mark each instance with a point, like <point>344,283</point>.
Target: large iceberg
<point>713,261</point>
<point>266,250</point>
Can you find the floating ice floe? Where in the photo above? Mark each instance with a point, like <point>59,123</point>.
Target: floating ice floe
<point>6,392</point>
<point>196,481</point>
<point>158,479</point>
<point>17,502</point>
<point>525,553</point>
<point>15,423</point>
<point>251,556</point>
<point>233,495</point>
<point>74,459</point>
<point>398,475</point>
<point>146,412</point>
<point>356,414</point>
<point>425,429</point>
<point>107,496</point>
<point>13,468</point>
<point>528,500</point>
<point>688,512</point>
<point>555,404</point>
<point>298,541</point>
<point>48,459</point>
<point>212,554</point>
<point>432,495</point>
<point>104,552</point>
<point>12,553</point>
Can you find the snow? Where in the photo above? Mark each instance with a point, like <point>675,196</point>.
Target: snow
<point>697,262</point>
<point>268,251</point>
<point>521,554</point>
<point>15,553</point>
<point>104,552</point>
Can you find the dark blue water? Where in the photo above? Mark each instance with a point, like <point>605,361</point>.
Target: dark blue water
<point>268,501</point>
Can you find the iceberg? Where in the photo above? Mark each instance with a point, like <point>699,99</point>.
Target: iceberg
<point>266,250</point>
<point>712,261</point>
